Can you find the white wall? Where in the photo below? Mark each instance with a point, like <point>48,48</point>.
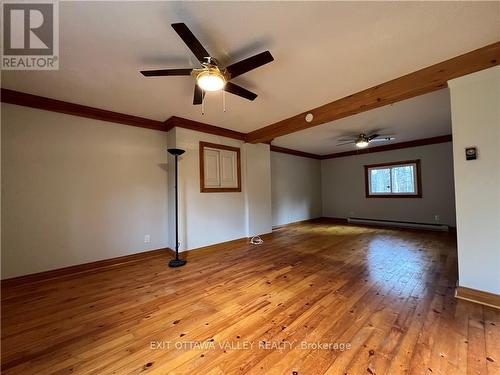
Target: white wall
<point>76,190</point>
<point>257,171</point>
<point>344,195</point>
<point>296,188</point>
<point>475,108</point>
<point>210,218</point>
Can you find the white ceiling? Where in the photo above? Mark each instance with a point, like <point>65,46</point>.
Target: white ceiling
<point>323,51</point>
<point>424,116</point>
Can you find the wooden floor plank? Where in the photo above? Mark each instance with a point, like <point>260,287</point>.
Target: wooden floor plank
<point>239,308</point>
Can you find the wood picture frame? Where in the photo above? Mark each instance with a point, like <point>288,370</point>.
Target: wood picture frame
<point>203,189</point>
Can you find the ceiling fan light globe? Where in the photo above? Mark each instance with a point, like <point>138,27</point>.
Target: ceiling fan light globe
<point>361,144</point>
<point>211,81</point>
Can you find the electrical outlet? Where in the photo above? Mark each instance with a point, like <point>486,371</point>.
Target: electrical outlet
<point>147,238</point>
<point>436,218</point>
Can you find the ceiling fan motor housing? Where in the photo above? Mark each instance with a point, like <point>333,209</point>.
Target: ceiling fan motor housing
<point>210,77</point>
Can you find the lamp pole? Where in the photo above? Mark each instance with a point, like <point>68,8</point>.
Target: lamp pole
<point>176,152</point>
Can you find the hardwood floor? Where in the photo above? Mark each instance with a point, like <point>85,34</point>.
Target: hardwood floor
<point>385,296</point>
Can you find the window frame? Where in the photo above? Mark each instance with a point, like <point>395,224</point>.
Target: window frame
<point>216,146</point>
<point>418,181</point>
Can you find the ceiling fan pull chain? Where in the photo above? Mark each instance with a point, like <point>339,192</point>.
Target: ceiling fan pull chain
<point>223,100</point>
<point>202,102</point>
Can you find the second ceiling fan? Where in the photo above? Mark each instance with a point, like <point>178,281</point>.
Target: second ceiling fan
<point>211,76</point>
<point>362,140</point>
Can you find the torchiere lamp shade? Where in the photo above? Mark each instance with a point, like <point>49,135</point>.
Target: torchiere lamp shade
<point>176,151</point>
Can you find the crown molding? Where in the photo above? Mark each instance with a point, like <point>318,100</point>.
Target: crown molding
<point>185,123</point>
<point>390,147</point>
<point>290,151</point>
<point>54,105</point>
<point>48,104</point>
<point>369,150</point>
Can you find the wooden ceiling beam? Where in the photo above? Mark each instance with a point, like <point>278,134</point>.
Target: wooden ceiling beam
<point>423,81</point>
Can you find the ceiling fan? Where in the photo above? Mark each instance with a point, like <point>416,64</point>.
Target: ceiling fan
<point>211,76</point>
<point>362,140</point>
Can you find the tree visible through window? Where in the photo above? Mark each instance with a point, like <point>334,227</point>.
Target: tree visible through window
<point>398,179</point>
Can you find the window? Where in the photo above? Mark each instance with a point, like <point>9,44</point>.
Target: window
<point>393,180</point>
<point>220,168</point>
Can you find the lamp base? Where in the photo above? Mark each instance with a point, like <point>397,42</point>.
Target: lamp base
<point>177,262</point>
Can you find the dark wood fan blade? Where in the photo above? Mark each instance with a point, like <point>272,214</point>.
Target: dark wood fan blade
<point>240,91</point>
<point>199,94</point>
<point>193,44</point>
<point>166,72</point>
<point>251,63</point>
<point>373,136</point>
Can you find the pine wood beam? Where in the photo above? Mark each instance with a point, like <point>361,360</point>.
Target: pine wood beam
<point>423,81</point>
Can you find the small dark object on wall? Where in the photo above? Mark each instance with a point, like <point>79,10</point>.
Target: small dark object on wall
<point>471,153</point>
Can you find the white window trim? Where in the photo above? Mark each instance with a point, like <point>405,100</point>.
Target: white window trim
<point>416,178</point>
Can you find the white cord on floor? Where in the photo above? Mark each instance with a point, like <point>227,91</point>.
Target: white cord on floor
<point>256,240</point>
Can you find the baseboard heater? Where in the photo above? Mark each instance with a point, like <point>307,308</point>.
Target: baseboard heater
<point>399,224</point>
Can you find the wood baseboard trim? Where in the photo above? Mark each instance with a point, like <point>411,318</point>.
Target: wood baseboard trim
<point>82,268</point>
<point>220,245</point>
<point>333,220</point>
<point>115,262</point>
<point>478,296</point>
<point>315,219</point>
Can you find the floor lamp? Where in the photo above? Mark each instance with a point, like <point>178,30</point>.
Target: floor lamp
<point>176,262</point>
